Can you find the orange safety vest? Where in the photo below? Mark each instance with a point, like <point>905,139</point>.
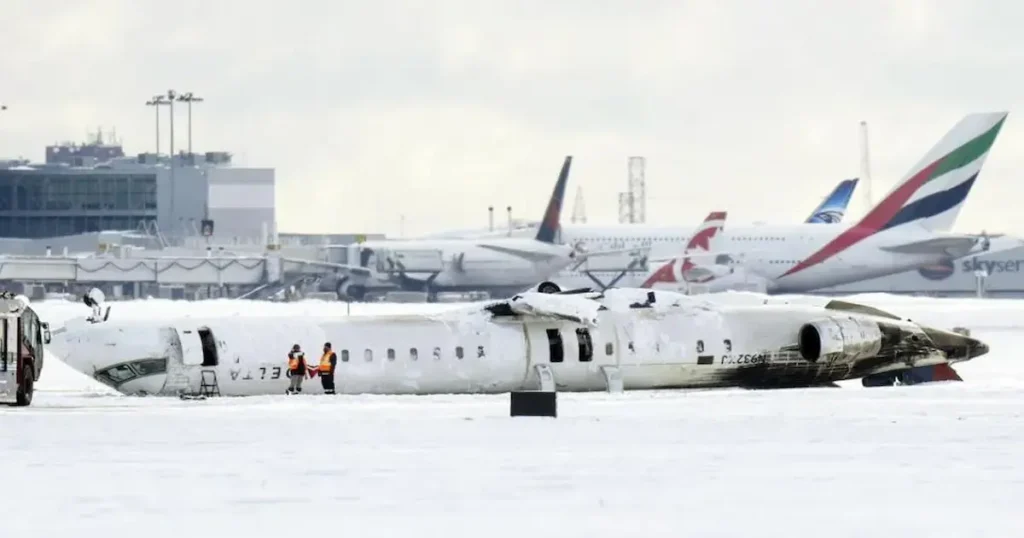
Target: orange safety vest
<point>325,363</point>
<point>293,363</point>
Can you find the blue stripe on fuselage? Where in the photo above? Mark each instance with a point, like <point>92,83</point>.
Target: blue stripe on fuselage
<point>933,204</point>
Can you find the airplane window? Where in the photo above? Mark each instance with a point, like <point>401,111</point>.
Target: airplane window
<point>631,348</point>
<point>555,351</point>
<point>609,349</point>
<point>368,355</point>
<point>344,355</point>
<point>119,374</point>
<point>700,346</point>
<point>458,352</point>
<point>413,354</point>
<point>150,366</point>
<point>437,353</point>
<point>586,345</point>
<point>391,354</point>
<point>728,345</point>
<point>479,352</point>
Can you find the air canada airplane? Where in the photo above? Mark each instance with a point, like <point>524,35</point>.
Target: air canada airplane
<point>619,339</point>
<point>907,229</point>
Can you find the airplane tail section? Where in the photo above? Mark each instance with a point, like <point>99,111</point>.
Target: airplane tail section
<point>932,193</point>
<point>833,208</point>
<point>548,228</point>
<point>677,270</point>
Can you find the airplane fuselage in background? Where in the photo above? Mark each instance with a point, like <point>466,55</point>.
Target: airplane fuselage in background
<point>467,263</point>
<point>767,251</point>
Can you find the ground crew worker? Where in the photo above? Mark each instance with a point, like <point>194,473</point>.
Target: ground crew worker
<point>328,361</point>
<point>296,369</point>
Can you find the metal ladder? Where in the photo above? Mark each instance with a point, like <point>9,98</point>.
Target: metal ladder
<point>208,383</point>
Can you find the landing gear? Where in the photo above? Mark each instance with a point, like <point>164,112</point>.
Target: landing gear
<point>548,287</point>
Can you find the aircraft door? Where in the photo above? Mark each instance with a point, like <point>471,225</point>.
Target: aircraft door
<point>568,352</point>
<point>191,347</point>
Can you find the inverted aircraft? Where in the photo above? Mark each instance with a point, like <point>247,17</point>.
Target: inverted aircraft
<point>619,339</point>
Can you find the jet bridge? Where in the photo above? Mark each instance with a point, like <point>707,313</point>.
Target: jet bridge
<point>245,271</point>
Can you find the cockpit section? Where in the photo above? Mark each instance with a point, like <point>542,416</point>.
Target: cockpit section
<point>118,374</point>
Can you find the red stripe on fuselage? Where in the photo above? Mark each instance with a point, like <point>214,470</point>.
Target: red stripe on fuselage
<point>871,223</point>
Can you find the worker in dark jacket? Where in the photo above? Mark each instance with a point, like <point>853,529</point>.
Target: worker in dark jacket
<point>328,362</point>
<point>296,369</point>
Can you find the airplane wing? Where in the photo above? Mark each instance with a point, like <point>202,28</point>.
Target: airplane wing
<point>528,255</point>
<point>353,270</point>
<point>582,306</point>
<point>953,246</point>
<point>574,308</point>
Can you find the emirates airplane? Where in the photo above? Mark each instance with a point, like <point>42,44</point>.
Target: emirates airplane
<point>907,229</point>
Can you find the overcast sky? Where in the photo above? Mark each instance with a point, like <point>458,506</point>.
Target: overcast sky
<point>436,109</point>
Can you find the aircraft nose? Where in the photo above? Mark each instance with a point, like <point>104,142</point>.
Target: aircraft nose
<point>81,347</point>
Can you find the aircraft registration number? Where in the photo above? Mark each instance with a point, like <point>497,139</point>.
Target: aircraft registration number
<point>747,358</point>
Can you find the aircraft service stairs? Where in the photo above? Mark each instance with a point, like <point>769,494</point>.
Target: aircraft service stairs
<point>208,385</point>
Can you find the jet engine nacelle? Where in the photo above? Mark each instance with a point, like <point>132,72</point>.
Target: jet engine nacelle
<point>843,339</point>
<point>703,273</point>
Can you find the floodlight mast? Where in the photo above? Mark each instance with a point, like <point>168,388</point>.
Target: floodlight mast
<point>190,98</point>
<point>156,102</point>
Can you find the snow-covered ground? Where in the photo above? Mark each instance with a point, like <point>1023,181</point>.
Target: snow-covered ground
<point>941,460</point>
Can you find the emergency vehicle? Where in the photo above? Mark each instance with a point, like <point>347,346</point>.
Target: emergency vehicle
<point>22,336</point>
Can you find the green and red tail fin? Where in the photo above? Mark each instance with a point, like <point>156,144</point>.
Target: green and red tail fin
<point>932,194</point>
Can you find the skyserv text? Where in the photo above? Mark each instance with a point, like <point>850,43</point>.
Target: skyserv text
<point>748,358</point>
<point>992,266</point>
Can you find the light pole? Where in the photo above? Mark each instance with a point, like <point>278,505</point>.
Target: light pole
<point>190,98</point>
<point>156,102</point>
<point>171,95</point>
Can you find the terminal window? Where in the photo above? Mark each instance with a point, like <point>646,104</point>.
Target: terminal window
<point>34,204</point>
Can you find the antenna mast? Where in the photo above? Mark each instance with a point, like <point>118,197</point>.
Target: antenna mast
<point>633,202</point>
<point>579,210</point>
<point>865,166</point>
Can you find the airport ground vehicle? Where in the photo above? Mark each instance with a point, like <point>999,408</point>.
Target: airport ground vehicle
<point>22,336</point>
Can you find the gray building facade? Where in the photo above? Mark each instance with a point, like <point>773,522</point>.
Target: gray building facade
<point>53,201</point>
<point>93,187</point>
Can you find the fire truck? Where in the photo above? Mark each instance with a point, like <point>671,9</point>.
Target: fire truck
<point>22,336</point>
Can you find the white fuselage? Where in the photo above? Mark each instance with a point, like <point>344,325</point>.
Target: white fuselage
<point>765,252</point>
<point>464,352</point>
<point>467,263</point>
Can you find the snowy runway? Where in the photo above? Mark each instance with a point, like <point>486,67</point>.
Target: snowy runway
<point>914,461</point>
<point>940,460</point>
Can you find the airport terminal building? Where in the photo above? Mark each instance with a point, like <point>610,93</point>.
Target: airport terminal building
<point>91,187</point>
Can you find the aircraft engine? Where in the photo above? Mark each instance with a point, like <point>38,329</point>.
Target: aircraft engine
<point>703,273</point>
<point>548,287</point>
<point>842,339</point>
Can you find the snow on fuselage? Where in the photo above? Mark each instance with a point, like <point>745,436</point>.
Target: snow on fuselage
<point>677,342</point>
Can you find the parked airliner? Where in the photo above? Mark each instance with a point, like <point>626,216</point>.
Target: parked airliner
<point>907,229</point>
<point>497,264</point>
<point>618,339</point>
